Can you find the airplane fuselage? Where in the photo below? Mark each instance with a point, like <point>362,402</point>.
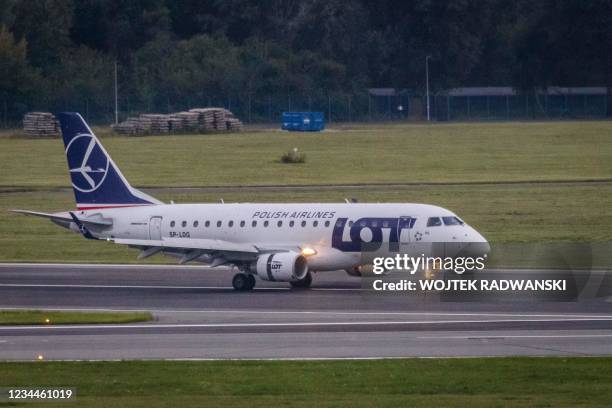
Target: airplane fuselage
<point>337,232</point>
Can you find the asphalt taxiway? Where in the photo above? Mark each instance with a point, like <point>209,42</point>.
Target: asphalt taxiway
<point>199,316</point>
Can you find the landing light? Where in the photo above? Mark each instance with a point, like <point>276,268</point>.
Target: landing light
<point>307,251</point>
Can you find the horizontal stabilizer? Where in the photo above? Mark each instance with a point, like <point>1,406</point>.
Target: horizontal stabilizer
<point>99,222</point>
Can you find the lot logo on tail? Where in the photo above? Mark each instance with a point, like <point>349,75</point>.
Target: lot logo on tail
<point>87,162</point>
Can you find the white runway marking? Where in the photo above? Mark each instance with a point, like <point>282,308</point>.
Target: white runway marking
<point>315,312</point>
<point>77,286</point>
<point>111,266</point>
<point>383,357</point>
<point>517,336</point>
<point>51,285</point>
<point>290,324</point>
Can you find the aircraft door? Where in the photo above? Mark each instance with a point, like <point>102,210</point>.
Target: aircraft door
<point>404,225</point>
<point>155,228</point>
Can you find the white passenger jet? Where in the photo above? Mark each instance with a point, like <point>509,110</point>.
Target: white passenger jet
<point>275,242</point>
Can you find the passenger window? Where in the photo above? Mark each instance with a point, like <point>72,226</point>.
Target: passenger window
<point>242,223</point>
<point>172,224</point>
<point>291,223</point>
<point>231,223</point>
<point>351,223</point>
<point>184,224</point>
<point>266,223</point>
<point>280,223</point>
<point>434,222</point>
<point>315,223</point>
<point>362,224</point>
<point>327,223</point>
<point>207,224</point>
<point>339,223</point>
<point>374,224</point>
<point>303,223</point>
<point>385,224</point>
<point>195,224</point>
<point>254,223</point>
<point>218,223</point>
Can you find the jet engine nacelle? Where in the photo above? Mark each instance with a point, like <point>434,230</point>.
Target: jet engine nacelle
<point>282,266</point>
<point>354,271</point>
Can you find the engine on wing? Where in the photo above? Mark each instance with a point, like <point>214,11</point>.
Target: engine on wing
<point>282,266</point>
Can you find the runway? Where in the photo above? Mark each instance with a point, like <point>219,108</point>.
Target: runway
<point>199,316</point>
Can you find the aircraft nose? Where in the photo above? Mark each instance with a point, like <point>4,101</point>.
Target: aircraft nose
<point>477,246</point>
<point>477,249</point>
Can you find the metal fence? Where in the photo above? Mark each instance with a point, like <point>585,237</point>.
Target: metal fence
<point>506,104</point>
<point>365,106</point>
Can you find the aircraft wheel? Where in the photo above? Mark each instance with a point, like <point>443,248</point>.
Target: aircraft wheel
<point>241,282</point>
<point>251,281</point>
<point>305,282</point>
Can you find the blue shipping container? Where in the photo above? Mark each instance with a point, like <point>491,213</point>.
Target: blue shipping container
<point>303,121</point>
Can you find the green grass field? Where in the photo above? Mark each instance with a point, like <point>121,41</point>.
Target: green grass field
<point>489,382</point>
<point>368,154</point>
<point>572,209</point>
<point>49,317</point>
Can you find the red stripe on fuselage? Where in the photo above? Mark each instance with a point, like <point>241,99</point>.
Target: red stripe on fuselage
<point>102,207</point>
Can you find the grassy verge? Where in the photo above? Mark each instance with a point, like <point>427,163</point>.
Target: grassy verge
<point>383,153</point>
<point>45,317</point>
<point>544,382</point>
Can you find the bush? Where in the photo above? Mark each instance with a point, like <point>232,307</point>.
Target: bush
<point>293,156</point>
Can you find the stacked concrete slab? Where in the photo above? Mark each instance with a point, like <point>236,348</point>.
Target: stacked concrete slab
<point>194,120</point>
<point>130,127</point>
<point>206,118</point>
<point>155,123</point>
<point>189,120</point>
<point>232,123</point>
<point>41,124</point>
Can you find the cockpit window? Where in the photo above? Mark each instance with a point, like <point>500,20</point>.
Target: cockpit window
<point>434,222</point>
<point>452,221</point>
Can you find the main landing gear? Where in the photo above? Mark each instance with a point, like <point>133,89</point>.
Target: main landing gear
<point>303,283</point>
<point>243,281</point>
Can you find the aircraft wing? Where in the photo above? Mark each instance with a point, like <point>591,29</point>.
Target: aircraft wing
<point>206,245</point>
<point>212,251</point>
<point>61,218</point>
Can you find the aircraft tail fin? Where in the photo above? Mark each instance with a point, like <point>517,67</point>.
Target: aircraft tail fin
<point>97,182</point>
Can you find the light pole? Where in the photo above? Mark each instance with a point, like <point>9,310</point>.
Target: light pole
<point>427,83</point>
<point>116,104</point>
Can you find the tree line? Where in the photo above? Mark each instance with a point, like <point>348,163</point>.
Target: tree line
<point>172,54</point>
